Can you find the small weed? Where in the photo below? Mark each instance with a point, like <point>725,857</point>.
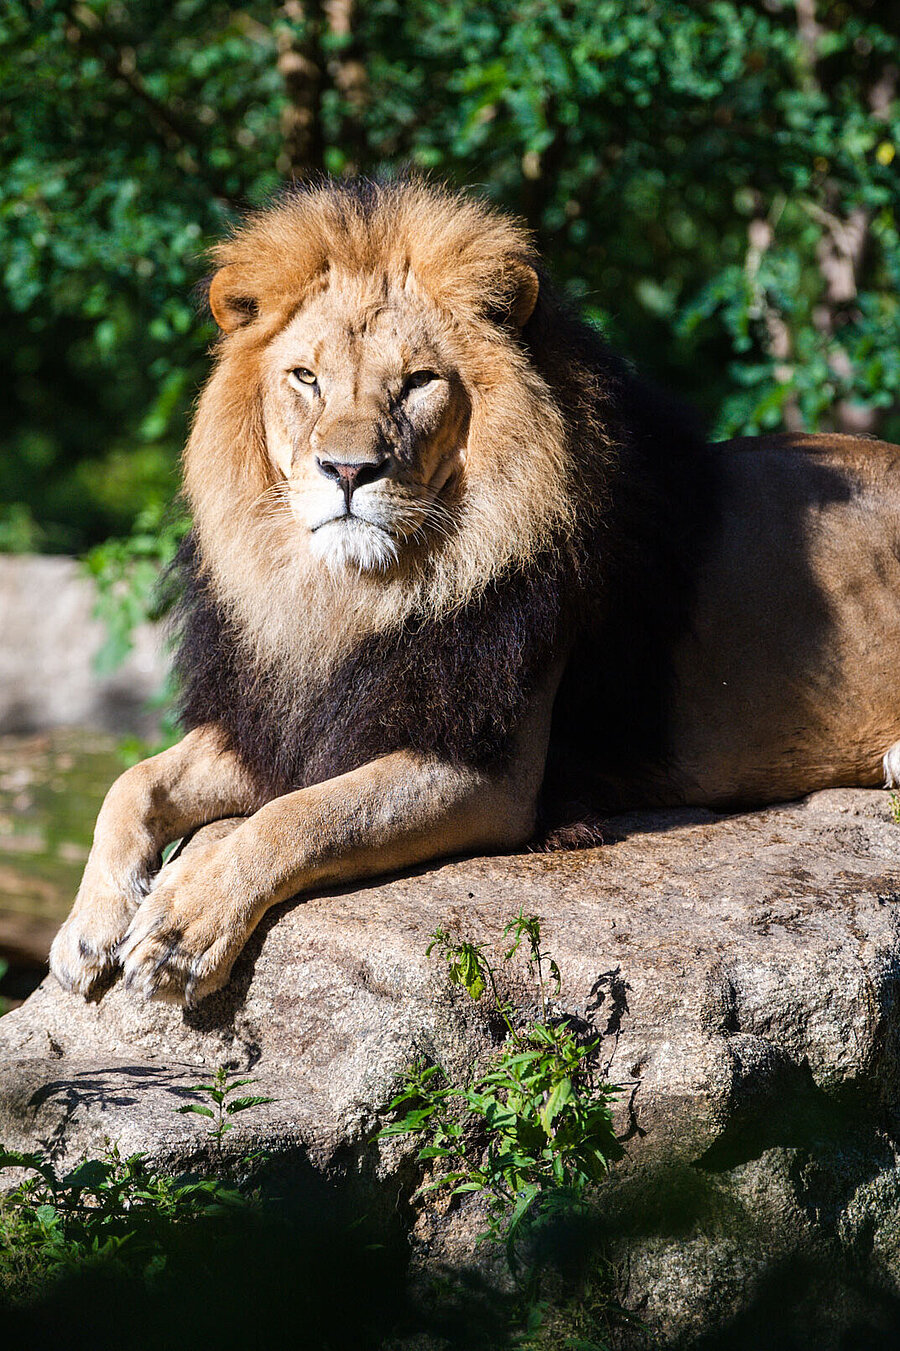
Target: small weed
<point>115,1250</point>
<point>110,1211</point>
<point>894,800</point>
<point>113,1212</point>
<point>532,1133</point>
<point>224,1107</point>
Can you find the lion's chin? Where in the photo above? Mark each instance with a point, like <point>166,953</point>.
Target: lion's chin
<point>350,542</point>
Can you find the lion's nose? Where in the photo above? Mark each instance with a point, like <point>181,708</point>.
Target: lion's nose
<point>349,477</point>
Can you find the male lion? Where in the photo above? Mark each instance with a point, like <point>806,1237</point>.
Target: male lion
<point>450,559</point>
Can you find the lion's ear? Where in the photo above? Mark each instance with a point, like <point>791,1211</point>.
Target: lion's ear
<point>520,287</point>
<point>230,303</point>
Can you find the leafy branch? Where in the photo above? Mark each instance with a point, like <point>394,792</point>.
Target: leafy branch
<point>175,129</point>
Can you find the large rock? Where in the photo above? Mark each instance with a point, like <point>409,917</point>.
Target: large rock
<point>743,973</point>
<point>51,637</point>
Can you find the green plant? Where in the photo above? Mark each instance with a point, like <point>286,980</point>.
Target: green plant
<point>114,1212</point>
<point>534,1131</point>
<point>531,1134</point>
<point>894,800</point>
<point>715,182</point>
<point>224,1107</point>
<point>110,1211</point>
<point>126,574</point>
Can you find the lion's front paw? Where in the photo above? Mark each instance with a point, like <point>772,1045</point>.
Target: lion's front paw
<point>183,941</point>
<point>85,951</point>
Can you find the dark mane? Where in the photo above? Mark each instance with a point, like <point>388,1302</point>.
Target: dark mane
<point>643,455</point>
<point>458,687</point>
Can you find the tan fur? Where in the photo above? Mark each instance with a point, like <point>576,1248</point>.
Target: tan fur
<point>181,942</point>
<point>423,278</point>
<point>788,676</point>
<point>786,679</point>
<point>148,807</point>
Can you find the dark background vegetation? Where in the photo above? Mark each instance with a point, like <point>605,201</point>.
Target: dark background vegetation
<point>716,184</point>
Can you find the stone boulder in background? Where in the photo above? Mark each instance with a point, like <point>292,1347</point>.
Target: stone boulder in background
<point>742,972</point>
<point>49,641</point>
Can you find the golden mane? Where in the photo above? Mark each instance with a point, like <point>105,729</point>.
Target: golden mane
<point>517,499</point>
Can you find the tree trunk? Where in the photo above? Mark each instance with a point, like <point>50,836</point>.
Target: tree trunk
<point>308,73</point>
<point>349,77</point>
<point>842,249</point>
<point>301,68</point>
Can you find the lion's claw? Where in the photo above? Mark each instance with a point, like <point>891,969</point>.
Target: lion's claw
<point>85,952</point>
<point>174,949</point>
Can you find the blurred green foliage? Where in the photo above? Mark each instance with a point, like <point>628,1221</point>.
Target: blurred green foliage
<point>716,183</point>
<point>126,573</point>
<point>129,135</point>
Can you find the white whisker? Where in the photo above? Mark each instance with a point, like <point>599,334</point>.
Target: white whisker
<point>272,501</point>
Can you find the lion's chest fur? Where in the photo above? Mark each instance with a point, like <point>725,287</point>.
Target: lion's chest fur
<point>457,688</point>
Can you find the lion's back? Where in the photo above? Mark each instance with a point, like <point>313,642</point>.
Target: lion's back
<point>782,680</point>
<point>785,681</point>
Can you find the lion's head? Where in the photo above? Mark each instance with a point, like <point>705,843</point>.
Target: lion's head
<point>374,441</point>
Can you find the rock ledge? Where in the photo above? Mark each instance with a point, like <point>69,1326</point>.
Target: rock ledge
<point>743,972</point>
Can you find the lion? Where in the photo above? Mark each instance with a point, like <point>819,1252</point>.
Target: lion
<point>456,571</point>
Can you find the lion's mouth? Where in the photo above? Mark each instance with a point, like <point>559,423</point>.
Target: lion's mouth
<point>351,519</point>
<point>376,543</point>
<point>355,542</point>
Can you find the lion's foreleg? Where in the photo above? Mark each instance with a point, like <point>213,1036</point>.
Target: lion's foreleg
<point>394,812</point>
<point>150,805</point>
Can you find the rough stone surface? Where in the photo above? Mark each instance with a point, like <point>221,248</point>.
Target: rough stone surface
<point>743,972</point>
<point>50,638</point>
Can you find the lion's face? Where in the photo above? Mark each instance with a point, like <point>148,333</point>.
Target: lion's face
<point>375,442</point>
<point>366,418</point>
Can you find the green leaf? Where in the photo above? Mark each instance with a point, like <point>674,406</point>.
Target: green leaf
<point>91,1173</point>
<point>241,1104</point>
<point>556,1101</point>
<point>37,1163</point>
<point>197,1109</point>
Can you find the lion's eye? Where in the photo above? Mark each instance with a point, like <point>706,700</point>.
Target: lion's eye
<point>301,375</point>
<point>419,378</point>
